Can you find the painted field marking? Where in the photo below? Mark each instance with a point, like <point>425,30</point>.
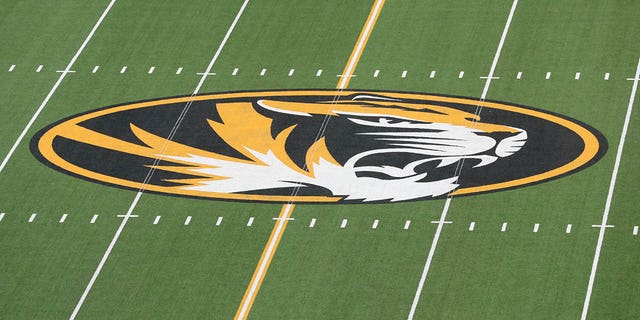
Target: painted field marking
<point>123,70</point>
<point>375,224</point>
<point>461,75</point>
<point>343,224</point>
<point>577,77</point>
<point>219,221</point>
<point>635,228</point>
<point>179,70</point>
<point>156,220</point>
<point>127,216</point>
<point>312,223</point>
<point>250,222</point>
<point>95,69</point>
<point>55,87</point>
<point>205,74</point>
<point>291,71</point>
<point>263,72</point>
<point>278,229</point>
<point>568,229</point>
<point>612,185</point>
<point>13,66</point>
<point>376,73</point>
<point>151,70</point>
<point>1,216</point>
<point>404,74</point>
<point>134,203</point>
<point>606,76</point>
<point>504,227</point>
<point>519,75</point>
<point>536,227</point>
<point>39,68</point>
<point>443,216</point>
<point>32,217</point>
<point>548,76</point>
<point>93,219</point>
<point>65,71</point>
<point>63,218</point>
<point>432,74</point>
<point>407,224</point>
<point>319,72</point>
<point>472,226</point>
<point>235,71</point>
<point>187,220</point>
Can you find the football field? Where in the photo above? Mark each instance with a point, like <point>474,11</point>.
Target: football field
<point>369,159</point>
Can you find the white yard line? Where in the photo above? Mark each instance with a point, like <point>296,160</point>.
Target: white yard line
<point>443,216</point>
<point>612,185</point>
<point>55,86</point>
<point>140,192</point>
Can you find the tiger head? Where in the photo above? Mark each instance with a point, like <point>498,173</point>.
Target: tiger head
<point>364,148</point>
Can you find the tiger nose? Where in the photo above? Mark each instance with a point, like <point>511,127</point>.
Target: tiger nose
<point>511,145</point>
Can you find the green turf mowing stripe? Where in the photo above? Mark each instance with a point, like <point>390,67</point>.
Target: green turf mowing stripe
<point>63,74</point>
<point>614,174</point>
<point>443,216</point>
<point>134,203</point>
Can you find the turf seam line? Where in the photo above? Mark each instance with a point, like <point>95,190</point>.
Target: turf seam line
<point>55,86</point>
<point>443,216</point>
<point>152,170</point>
<point>612,185</point>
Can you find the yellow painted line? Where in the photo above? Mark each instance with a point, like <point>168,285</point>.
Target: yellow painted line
<point>287,209</point>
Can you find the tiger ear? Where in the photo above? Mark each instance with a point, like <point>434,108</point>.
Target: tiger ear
<point>360,97</point>
<point>282,107</point>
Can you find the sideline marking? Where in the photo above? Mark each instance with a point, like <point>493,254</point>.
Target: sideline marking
<point>404,74</point>
<point>375,224</point>
<point>54,88</point>
<point>312,223</point>
<point>263,72</point>
<point>407,224</point>
<point>519,75</point>
<point>235,71</point>
<point>606,76</point>
<point>472,226</point>
<point>179,71</point>
<point>219,221</point>
<point>32,217</point>
<point>504,227</point>
<point>134,203</point>
<point>319,72</point>
<point>443,216</point>
<point>95,69</point>
<point>635,228</point>
<point>432,74</point>
<point>343,224</point>
<point>63,218</point>
<point>536,227</point>
<point>39,68</point>
<point>612,185</point>
<point>250,222</point>
<point>278,230</point>
<point>376,73</point>
<point>187,221</point>
<point>156,220</point>
<point>13,66</point>
<point>123,70</point>
<point>568,230</point>
<point>291,72</point>
<point>151,70</point>
<point>93,219</point>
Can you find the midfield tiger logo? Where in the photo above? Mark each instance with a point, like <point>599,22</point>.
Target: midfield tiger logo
<point>319,146</point>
